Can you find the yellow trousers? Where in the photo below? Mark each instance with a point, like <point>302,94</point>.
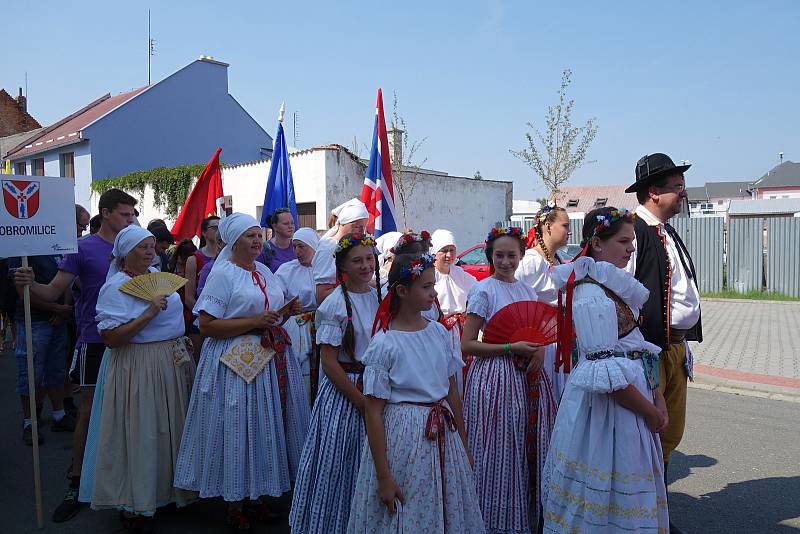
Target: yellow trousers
<point>673,385</point>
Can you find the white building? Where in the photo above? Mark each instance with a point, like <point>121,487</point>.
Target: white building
<point>326,176</point>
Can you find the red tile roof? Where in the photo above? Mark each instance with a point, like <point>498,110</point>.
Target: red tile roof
<point>587,197</point>
<point>67,130</point>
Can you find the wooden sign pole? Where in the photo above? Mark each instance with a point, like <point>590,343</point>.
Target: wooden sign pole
<point>37,479</point>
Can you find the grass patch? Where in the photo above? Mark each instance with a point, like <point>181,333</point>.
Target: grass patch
<point>749,295</point>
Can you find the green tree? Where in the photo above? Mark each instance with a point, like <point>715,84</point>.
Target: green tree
<point>556,152</point>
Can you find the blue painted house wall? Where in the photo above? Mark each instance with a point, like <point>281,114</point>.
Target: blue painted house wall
<point>180,120</point>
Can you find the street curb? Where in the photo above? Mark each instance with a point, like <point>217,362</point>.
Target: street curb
<point>748,389</point>
<point>749,301</point>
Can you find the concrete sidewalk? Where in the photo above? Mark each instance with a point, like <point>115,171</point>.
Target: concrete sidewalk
<point>751,347</point>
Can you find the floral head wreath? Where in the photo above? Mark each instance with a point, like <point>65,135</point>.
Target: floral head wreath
<point>354,240</point>
<point>512,231</point>
<point>414,269</point>
<point>408,273</point>
<point>604,222</point>
<point>541,217</point>
<point>410,237</point>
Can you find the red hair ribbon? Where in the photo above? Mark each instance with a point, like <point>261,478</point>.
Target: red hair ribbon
<point>566,329</point>
<point>531,238</point>
<point>384,313</point>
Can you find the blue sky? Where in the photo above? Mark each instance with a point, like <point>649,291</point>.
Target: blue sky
<point>715,83</point>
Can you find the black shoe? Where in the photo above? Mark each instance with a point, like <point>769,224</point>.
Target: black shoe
<point>66,424</point>
<point>71,409</point>
<point>27,436</point>
<point>68,507</point>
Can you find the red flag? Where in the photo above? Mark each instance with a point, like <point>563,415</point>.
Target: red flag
<point>206,198</point>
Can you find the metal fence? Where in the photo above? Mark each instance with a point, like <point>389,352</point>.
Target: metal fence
<point>745,254</point>
<point>783,255</point>
<point>704,238</point>
<point>739,254</point>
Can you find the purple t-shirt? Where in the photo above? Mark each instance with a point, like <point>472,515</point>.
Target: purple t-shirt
<point>279,255</point>
<point>90,264</point>
<point>203,276</point>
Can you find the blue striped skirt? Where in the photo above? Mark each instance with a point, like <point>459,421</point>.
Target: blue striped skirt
<point>235,443</point>
<point>329,464</point>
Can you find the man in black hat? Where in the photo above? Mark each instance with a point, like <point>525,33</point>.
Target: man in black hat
<point>671,315</point>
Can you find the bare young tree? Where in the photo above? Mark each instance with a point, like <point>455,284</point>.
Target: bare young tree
<point>554,154</point>
<point>405,167</point>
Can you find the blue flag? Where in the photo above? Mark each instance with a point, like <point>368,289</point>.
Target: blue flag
<point>280,186</point>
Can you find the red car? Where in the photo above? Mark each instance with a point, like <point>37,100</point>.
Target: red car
<point>473,260</point>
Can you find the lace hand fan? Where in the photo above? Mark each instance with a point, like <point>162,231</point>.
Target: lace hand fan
<point>528,320</point>
<point>150,285</point>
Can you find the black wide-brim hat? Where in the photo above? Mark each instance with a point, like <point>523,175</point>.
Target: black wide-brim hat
<point>652,168</point>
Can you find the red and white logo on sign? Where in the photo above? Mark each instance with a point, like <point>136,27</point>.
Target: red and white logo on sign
<point>21,199</point>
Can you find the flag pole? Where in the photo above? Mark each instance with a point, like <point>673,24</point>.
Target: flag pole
<point>37,479</point>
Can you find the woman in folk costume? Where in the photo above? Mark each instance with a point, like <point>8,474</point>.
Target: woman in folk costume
<point>452,287</point>
<point>248,413</point>
<point>298,281</point>
<point>350,217</point>
<point>498,396</point>
<point>550,232</point>
<point>604,470</point>
<point>331,455</point>
<point>146,388</point>
<point>384,245</point>
<point>416,474</point>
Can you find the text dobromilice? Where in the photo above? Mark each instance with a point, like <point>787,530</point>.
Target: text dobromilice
<point>9,230</point>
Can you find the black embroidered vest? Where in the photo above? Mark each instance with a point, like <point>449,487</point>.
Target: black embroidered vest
<point>653,272</point>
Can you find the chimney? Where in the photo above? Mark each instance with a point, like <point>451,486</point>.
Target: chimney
<point>22,102</point>
<point>396,145</point>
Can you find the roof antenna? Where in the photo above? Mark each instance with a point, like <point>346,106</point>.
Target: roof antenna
<point>780,156</point>
<point>151,47</point>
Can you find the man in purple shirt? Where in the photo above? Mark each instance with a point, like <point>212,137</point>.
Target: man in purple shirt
<point>90,264</point>
<point>279,249</point>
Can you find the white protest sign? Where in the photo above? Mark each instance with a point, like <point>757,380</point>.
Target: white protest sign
<point>37,216</point>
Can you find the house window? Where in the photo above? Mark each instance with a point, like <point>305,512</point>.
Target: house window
<point>21,168</point>
<point>706,206</point>
<point>572,203</point>
<point>38,167</point>
<point>719,202</point>
<point>68,165</point>
<point>228,199</point>
<point>600,202</point>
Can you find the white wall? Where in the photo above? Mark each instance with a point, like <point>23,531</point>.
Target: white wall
<point>330,176</point>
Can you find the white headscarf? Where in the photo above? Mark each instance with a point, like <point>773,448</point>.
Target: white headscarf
<point>307,236</point>
<point>126,239</point>
<point>230,229</point>
<point>442,238</point>
<point>350,211</point>
<point>384,245</point>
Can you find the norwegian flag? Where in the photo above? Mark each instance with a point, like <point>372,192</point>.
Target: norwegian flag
<point>21,199</point>
<point>377,193</point>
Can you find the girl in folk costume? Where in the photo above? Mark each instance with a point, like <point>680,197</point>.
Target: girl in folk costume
<point>452,287</point>
<point>410,242</point>
<point>604,470</point>
<point>298,281</point>
<point>350,217</point>
<point>329,464</point>
<point>145,392</point>
<point>550,233</point>
<point>498,396</point>
<point>416,473</point>
<point>248,413</point>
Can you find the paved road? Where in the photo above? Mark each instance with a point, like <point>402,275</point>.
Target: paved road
<point>751,336</point>
<point>737,471</point>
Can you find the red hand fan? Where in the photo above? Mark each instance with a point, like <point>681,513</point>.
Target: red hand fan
<point>528,320</point>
